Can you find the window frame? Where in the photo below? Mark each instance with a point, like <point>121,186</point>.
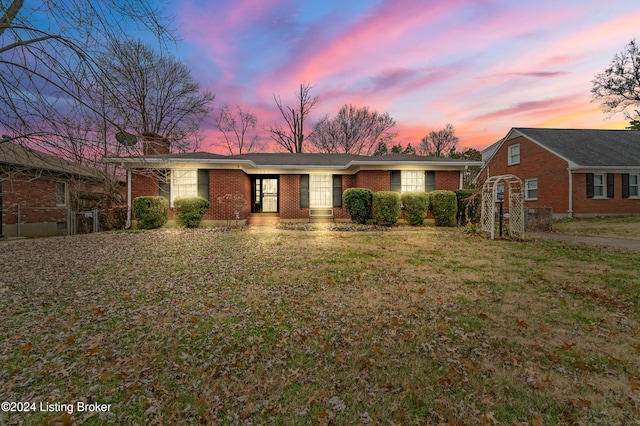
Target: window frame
<point>64,194</point>
<point>636,186</point>
<point>321,190</point>
<point>602,185</point>
<point>510,157</point>
<point>417,179</point>
<point>184,190</point>
<point>527,197</point>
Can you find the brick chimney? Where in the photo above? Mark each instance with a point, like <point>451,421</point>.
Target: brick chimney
<point>153,144</point>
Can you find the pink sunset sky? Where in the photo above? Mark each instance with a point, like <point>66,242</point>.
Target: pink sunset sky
<point>484,66</point>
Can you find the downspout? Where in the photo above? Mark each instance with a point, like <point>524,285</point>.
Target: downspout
<point>128,225</point>
<point>461,185</point>
<point>570,193</point>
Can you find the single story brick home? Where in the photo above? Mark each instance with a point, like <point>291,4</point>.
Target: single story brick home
<point>38,191</point>
<point>575,172</point>
<point>288,187</point>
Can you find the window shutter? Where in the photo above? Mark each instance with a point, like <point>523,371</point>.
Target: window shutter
<point>589,185</point>
<point>610,185</point>
<point>203,183</point>
<point>337,190</point>
<point>396,181</point>
<point>429,181</point>
<point>304,191</point>
<point>164,184</point>
<point>625,185</point>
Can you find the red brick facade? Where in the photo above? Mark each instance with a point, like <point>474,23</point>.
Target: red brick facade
<point>552,173</point>
<point>233,182</point>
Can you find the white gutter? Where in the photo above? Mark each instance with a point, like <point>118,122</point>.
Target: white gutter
<point>128,225</point>
<point>570,212</point>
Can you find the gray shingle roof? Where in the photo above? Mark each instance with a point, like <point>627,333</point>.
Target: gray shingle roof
<point>589,148</point>
<point>17,155</point>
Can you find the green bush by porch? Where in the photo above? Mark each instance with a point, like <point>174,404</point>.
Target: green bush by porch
<point>151,212</point>
<point>415,205</point>
<point>386,208</point>
<point>357,202</point>
<point>444,206</point>
<point>190,210</point>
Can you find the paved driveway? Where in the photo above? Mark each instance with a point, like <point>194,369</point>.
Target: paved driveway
<point>583,239</point>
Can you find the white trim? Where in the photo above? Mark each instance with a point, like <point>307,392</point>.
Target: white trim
<point>320,192</point>
<point>128,224</point>
<point>526,189</point>
<point>510,161</point>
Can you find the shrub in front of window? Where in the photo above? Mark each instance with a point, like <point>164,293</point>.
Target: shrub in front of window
<point>415,205</point>
<point>386,208</point>
<point>468,206</point>
<point>357,202</point>
<point>444,206</point>
<point>151,212</point>
<point>190,210</point>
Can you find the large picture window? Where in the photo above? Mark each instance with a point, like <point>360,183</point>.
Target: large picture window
<point>320,190</point>
<point>412,180</point>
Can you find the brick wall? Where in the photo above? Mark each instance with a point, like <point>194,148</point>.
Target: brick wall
<point>290,198</point>
<point>36,197</point>
<point>535,162</point>
<point>583,206</point>
<point>447,180</point>
<point>236,186</point>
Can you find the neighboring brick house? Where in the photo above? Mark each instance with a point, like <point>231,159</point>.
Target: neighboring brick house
<point>37,191</point>
<point>290,187</point>
<point>575,172</point>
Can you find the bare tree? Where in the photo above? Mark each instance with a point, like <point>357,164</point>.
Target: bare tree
<point>292,136</point>
<point>619,85</point>
<point>439,143</point>
<point>353,131</point>
<point>236,127</point>
<point>47,56</point>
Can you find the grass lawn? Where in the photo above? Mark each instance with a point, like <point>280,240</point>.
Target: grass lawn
<point>263,326</point>
<point>612,226</point>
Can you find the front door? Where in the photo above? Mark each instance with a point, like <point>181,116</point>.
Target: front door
<point>265,195</point>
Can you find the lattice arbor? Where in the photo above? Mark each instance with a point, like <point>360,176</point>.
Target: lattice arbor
<point>513,195</point>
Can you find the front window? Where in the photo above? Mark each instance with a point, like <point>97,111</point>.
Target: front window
<point>514,154</point>
<point>634,185</point>
<point>320,190</point>
<point>412,181</point>
<point>499,192</point>
<point>184,183</point>
<point>531,189</point>
<point>599,185</point>
<point>61,193</point>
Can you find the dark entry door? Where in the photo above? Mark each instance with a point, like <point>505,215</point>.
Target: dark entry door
<point>265,195</point>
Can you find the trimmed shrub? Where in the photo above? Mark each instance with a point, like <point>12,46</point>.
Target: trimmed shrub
<point>190,210</point>
<point>357,202</point>
<point>416,205</point>
<point>151,212</point>
<point>386,208</point>
<point>444,206</point>
<point>468,206</point>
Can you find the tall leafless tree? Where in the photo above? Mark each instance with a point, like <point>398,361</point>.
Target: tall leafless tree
<point>618,87</point>
<point>153,93</point>
<point>237,129</point>
<point>48,53</point>
<point>353,131</point>
<point>292,136</point>
<point>439,143</point>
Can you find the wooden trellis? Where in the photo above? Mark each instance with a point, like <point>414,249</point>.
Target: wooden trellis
<point>514,192</point>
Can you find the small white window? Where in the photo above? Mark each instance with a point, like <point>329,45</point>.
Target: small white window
<point>499,192</point>
<point>634,185</point>
<point>531,189</point>
<point>184,183</point>
<point>514,155</point>
<point>599,185</point>
<point>61,193</point>
<point>412,180</point>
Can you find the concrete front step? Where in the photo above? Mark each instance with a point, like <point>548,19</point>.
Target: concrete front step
<point>263,219</point>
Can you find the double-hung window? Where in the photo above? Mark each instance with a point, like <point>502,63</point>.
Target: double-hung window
<point>514,155</point>
<point>61,193</point>
<point>531,189</point>
<point>599,185</point>
<point>184,183</point>
<point>320,190</point>
<point>634,185</point>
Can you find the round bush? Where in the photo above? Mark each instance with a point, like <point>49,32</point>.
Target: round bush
<point>151,212</point>
<point>386,208</point>
<point>357,202</point>
<point>415,207</point>
<point>190,210</point>
<point>444,205</point>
